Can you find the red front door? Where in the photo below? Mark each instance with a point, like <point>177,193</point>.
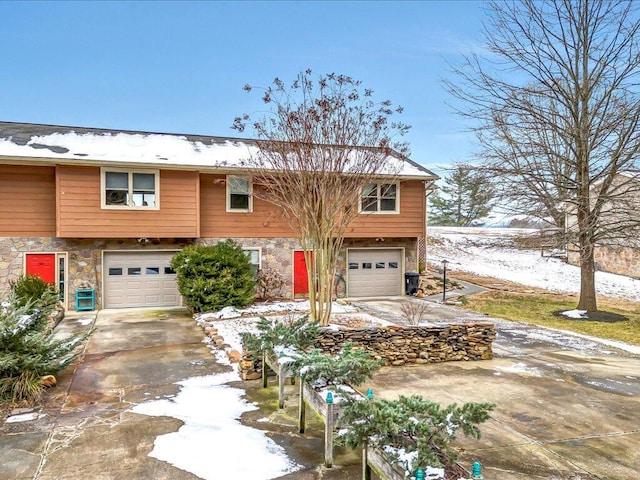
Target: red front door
<point>42,265</point>
<point>300,278</point>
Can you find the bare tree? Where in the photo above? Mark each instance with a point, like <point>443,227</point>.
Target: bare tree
<point>323,142</point>
<point>557,108</point>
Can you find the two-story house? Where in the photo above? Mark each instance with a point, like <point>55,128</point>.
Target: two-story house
<point>107,209</point>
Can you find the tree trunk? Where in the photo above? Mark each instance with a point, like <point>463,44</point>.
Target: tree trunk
<point>587,277</point>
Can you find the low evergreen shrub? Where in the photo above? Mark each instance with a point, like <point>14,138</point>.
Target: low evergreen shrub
<point>411,429</point>
<point>214,277</point>
<point>299,334</point>
<point>351,366</point>
<point>33,291</point>
<point>28,350</point>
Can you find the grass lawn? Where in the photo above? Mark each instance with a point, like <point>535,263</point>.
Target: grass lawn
<point>539,309</point>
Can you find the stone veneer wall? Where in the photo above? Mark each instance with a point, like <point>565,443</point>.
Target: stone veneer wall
<point>398,345</point>
<point>84,256</point>
<point>277,253</point>
<point>84,259</point>
<point>395,345</point>
<point>619,260</point>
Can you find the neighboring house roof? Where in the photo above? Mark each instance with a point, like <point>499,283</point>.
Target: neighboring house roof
<point>635,174</point>
<point>104,146</point>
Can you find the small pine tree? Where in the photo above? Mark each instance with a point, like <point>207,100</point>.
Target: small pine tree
<point>351,366</point>
<point>214,277</point>
<point>297,333</point>
<point>28,351</point>
<point>466,196</point>
<point>33,291</point>
<point>411,424</point>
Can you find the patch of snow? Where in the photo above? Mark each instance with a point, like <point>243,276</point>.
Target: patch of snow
<point>207,444</point>
<point>84,321</point>
<point>626,347</point>
<point>520,367</point>
<point>231,322</point>
<point>224,314</point>
<point>577,314</point>
<point>160,149</point>
<point>24,417</point>
<point>492,252</point>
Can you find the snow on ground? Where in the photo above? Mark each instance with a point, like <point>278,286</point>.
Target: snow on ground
<point>491,252</point>
<point>231,322</point>
<point>210,411</point>
<point>269,308</point>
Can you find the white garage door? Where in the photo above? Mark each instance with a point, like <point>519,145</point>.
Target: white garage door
<point>139,279</point>
<point>374,272</point>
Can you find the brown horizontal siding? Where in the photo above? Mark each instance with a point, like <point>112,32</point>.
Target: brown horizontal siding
<point>80,213</point>
<point>408,223</point>
<point>27,201</point>
<point>264,222</point>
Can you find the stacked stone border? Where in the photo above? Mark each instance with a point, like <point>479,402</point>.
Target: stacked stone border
<point>396,345</point>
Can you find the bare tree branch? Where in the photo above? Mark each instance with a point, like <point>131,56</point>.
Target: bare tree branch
<point>557,106</point>
<point>322,143</point>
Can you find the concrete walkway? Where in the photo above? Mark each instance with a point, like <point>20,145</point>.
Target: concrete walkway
<point>567,407</point>
<point>86,430</point>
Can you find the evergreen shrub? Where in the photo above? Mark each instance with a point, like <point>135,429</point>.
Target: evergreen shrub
<point>28,350</point>
<point>299,334</point>
<point>412,431</point>
<point>214,277</point>
<point>33,291</point>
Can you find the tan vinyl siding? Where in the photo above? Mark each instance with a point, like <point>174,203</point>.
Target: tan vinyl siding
<point>27,201</point>
<point>265,221</point>
<point>80,213</point>
<point>409,222</point>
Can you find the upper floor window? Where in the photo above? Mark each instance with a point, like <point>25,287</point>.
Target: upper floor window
<point>130,189</point>
<point>380,198</point>
<point>239,194</point>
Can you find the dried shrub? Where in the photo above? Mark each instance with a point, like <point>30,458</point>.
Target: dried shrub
<point>414,312</point>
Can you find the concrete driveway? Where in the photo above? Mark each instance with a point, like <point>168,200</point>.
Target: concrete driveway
<point>86,429</point>
<point>567,407</point>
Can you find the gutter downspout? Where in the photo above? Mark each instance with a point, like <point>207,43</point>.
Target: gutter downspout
<point>429,188</point>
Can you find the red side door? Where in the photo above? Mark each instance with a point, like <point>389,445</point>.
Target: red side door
<point>300,278</point>
<point>42,265</point>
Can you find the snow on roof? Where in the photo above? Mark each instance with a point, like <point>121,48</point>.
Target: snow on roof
<point>92,145</point>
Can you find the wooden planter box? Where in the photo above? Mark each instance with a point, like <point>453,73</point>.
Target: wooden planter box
<point>270,360</point>
<point>329,412</point>
<point>375,459</point>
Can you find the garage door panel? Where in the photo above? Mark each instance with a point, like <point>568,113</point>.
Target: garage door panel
<point>374,272</point>
<point>139,279</point>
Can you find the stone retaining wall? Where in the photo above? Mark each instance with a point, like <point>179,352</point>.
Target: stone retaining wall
<point>397,345</point>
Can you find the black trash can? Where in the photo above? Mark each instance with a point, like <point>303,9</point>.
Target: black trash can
<point>411,282</point>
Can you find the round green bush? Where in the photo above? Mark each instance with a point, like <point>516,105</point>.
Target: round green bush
<point>214,277</point>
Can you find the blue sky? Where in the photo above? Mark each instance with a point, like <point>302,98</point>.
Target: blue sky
<point>180,66</point>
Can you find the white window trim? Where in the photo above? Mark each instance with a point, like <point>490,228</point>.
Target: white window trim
<point>255,249</point>
<point>228,195</point>
<point>379,212</point>
<point>103,188</point>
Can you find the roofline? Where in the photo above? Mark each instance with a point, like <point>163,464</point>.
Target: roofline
<point>192,136</point>
<point>141,132</point>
